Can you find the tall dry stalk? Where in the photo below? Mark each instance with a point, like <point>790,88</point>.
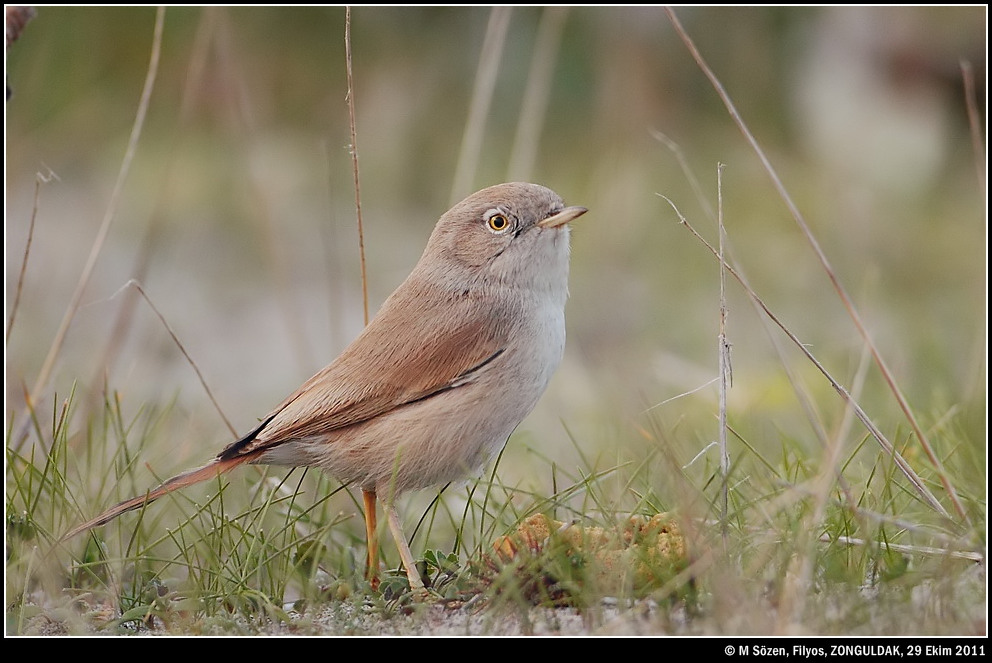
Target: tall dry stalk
<point>45,373</point>
<point>828,269</point>
<point>482,95</point>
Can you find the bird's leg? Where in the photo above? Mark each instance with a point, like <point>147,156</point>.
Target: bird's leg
<point>372,561</point>
<point>416,584</point>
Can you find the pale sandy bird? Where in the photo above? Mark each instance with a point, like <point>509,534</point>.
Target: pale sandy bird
<point>432,388</point>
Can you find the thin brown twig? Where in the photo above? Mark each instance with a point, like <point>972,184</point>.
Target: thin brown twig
<point>975,124</point>
<point>133,283</point>
<point>38,181</point>
<point>906,469</point>
<point>132,146</point>
<point>675,149</point>
<point>482,94</point>
<point>828,269</point>
<point>723,350</point>
<point>795,589</point>
<point>354,159</point>
<point>806,403</point>
<point>907,549</point>
<point>368,497</point>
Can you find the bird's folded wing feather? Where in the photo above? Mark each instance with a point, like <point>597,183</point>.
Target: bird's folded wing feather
<point>406,354</point>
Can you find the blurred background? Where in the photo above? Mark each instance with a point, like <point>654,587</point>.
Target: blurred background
<point>238,216</point>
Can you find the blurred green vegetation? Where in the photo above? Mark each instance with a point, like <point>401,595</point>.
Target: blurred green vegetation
<point>238,215</point>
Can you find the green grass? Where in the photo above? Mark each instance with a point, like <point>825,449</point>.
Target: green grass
<point>269,549</point>
<point>235,218</point>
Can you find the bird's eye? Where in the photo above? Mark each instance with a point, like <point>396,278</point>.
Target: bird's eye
<point>498,222</point>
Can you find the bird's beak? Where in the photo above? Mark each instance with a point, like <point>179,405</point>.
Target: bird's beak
<point>562,217</point>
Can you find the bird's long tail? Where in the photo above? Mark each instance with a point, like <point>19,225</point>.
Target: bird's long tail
<point>212,469</point>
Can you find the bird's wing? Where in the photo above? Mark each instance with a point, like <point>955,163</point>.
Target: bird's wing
<point>415,348</point>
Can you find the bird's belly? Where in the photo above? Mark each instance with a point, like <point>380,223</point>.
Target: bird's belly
<point>445,437</point>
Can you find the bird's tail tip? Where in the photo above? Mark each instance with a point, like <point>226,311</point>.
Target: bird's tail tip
<point>210,470</point>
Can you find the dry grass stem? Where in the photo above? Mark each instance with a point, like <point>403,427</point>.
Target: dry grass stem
<point>805,401</point>
<point>690,176</point>
<point>354,161</point>
<point>132,146</point>
<point>482,95</point>
<point>39,180</point>
<point>833,443</point>
<point>682,395</point>
<point>906,469</point>
<point>975,124</point>
<point>723,353</point>
<point>909,550</point>
<point>795,588</point>
<point>540,79</point>
<point>828,269</point>
<point>808,524</point>
<point>158,222</point>
<point>137,286</point>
